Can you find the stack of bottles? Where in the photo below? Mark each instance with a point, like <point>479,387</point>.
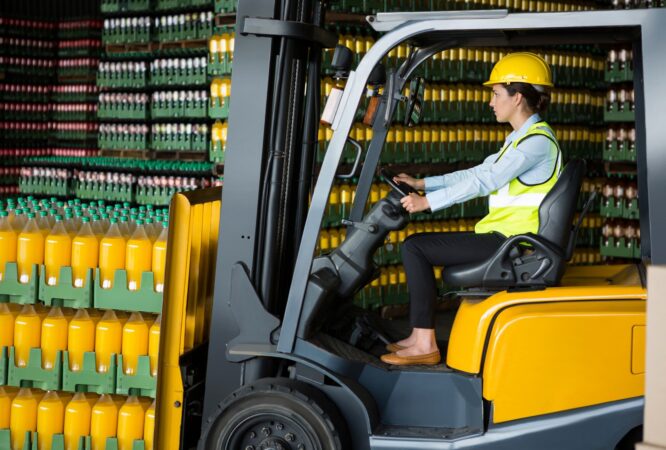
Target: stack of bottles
<point>620,105</point>
<point>126,74</point>
<point>620,144</point>
<point>218,142</point>
<point>45,181</point>
<point>76,67</point>
<point>123,106</point>
<point>12,92</point>
<point>27,47</point>
<point>79,47</point>
<point>178,71</point>
<point>220,98</point>
<point>74,93</point>
<point>113,6</point>
<point>123,136</point>
<point>31,67</point>
<point>183,27</point>
<point>105,185</point>
<point>186,104</point>
<point>126,30</point>
<point>375,6</point>
<point>72,416</point>
<point>83,236</point>
<point>158,190</point>
<point>24,111</point>
<point>75,131</point>
<point>180,136</point>
<point>221,53</point>
<point>74,111</point>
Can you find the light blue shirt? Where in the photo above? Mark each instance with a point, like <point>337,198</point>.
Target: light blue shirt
<point>531,160</point>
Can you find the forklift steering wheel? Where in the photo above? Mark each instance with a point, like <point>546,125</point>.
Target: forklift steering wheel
<point>401,188</point>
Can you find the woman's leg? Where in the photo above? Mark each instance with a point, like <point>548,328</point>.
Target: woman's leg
<point>420,253</point>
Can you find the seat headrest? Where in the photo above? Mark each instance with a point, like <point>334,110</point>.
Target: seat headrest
<point>557,209</point>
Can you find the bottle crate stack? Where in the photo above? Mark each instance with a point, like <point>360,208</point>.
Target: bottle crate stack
<point>621,234</point>
<point>220,59</point>
<point>80,301</point>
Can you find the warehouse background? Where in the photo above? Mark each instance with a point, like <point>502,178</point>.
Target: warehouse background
<point>109,108</point>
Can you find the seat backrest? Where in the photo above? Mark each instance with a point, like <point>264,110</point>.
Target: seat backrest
<point>559,206</point>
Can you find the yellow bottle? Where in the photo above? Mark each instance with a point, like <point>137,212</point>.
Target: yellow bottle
<point>131,418</point>
<point>77,419</point>
<point>57,251</point>
<point>159,258</point>
<point>138,257</point>
<point>7,319</point>
<point>54,336</point>
<point>108,338</point>
<point>23,416</point>
<point>104,421</point>
<point>111,254</point>
<point>7,395</point>
<point>134,343</point>
<point>81,339</point>
<point>149,427</point>
<point>29,249</point>
<point>8,240</point>
<point>50,418</point>
<point>85,253</point>
<point>154,344</point>
<point>27,334</point>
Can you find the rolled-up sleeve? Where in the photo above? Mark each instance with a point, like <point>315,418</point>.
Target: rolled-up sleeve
<point>487,177</point>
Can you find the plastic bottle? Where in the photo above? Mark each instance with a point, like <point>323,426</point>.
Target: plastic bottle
<point>54,337</point>
<point>159,258</point>
<point>104,421</point>
<point>23,416</point>
<point>131,418</point>
<point>85,252</point>
<point>50,418</point>
<point>27,334</point>
<point>8,240</point>
<point>138,257</point>
<point>81,333</point>
<point>7,319</point>
<point>77,419</point>
<point>108,339</point>
<point>43,222</point>
<point>134,342</point>
<point>57,251</point>
<point>7,395</point>
<point>97,227</point>
<point>29,249</point>
<point>149,427</point>
<point>154,344</point>
<point>112,250</point>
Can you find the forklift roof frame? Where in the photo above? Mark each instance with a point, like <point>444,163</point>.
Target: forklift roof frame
<point>641,28</point>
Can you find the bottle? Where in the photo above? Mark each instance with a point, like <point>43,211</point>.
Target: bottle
<point>81,339</point>
<point>23,416</point>
<point>8,240</point>
<point>54,337</point>
<point>29,249</point>
<point>7,319</point>
<point>149,427</point>
<point>27,334</point>
<point>77,419</point>
<point>134,342</point>
<point>50,418</point>
<point>138,256</point>
<point>154,344</point>
<point>111,254</point>
<point>57,251</point>
<point>159,258</point>
<point>7,395</point>
<point>108,339</point>
<point>131,418</point>
<point>85,252</point>
<point>43,222</point>
<point>104,421</point>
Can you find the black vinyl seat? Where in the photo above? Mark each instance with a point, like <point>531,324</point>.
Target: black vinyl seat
<point>542,261</point>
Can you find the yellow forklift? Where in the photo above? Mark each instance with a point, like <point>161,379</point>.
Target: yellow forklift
<point>261,348</point>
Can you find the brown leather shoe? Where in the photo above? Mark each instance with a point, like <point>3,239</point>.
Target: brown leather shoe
<point>429,359</point>
<point>394,347</point>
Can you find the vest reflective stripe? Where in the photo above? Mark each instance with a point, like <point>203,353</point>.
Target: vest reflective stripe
<point>514,208</point>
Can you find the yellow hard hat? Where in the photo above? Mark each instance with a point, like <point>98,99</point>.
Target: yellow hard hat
<point>521,67</point>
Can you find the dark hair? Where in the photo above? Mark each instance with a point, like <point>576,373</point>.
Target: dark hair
<point>536,100</point>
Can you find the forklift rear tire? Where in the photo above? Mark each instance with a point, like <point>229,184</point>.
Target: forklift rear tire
<point>279,414</point>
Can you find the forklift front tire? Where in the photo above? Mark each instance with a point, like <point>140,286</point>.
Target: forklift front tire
<point>278,413</point>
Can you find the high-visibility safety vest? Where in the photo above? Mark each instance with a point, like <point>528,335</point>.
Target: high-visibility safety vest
<point>514,208</point>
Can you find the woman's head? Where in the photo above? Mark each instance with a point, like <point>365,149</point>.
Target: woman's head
<point>519,82</point>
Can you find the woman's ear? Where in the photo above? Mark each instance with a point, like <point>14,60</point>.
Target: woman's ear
<point>517,99</point>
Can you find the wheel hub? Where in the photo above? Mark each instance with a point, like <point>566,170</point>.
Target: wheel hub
<point>274,435</point>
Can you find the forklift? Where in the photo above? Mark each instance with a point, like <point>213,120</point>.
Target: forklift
<point>261,347</point>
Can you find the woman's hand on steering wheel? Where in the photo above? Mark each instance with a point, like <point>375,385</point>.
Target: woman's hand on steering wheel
<point>415,183</point>
<point>414,203</point>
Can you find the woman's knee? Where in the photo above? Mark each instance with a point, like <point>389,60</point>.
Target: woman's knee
<point>413,244</point>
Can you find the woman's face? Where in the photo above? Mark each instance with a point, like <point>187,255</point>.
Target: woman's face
<point>503,104</point>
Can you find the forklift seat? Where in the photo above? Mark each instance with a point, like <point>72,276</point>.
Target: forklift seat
<point>531,260</point>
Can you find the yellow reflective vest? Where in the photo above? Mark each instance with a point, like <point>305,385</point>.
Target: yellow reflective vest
<point>514,208</point>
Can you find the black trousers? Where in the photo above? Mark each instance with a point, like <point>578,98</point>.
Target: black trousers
<point>422,251</point>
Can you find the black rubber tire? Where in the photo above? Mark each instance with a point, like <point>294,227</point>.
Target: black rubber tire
<point>313,418</point>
